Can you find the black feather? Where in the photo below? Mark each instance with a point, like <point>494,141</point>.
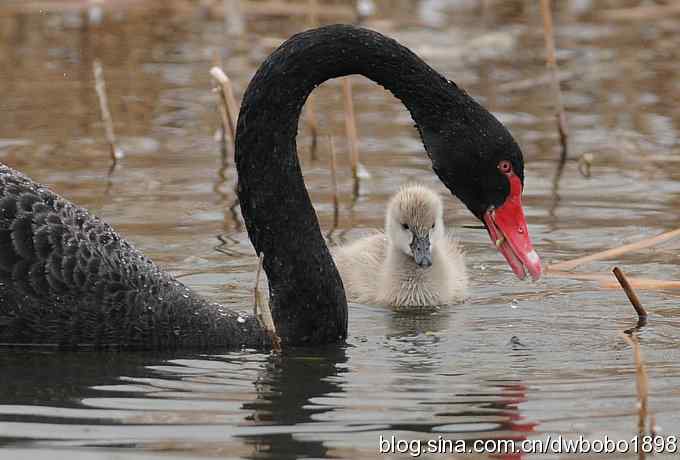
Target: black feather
<point>26,202</point>
<point>22,236</point>
<point>8,256</point>
<point>42,243</point>
<point>8,207</point>
<point>38,279</point>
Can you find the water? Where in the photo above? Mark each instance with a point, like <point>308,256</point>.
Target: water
<point>518,360</point>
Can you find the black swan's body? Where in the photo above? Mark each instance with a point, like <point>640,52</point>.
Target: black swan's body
<point>68,279</point>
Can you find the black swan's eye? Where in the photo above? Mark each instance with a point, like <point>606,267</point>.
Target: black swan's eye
<point>404,226</point>
<point>504,166</point>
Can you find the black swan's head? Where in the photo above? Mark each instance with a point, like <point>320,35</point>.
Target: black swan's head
<point>480,162</point>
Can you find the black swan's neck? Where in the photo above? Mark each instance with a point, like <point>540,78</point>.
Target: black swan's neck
<point>283,82</point>
<point>307,297</point>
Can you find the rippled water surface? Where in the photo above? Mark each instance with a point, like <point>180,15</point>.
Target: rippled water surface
<point>517,360</point>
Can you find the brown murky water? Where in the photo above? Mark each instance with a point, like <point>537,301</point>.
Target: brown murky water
<point>517,360</point>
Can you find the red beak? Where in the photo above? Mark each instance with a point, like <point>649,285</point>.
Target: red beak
<point>508,230</point>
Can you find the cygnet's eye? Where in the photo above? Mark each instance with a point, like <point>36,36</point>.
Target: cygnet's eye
<point>404,226</point>
<point>432,225</point>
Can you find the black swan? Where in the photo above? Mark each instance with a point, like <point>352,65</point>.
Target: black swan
<point>68,280</point>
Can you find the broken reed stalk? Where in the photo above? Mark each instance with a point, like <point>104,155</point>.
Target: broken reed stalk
<point>628,289</point>
<point>100,87</point>
<point>641,381</point>
<point>224,118</point>
<point>262,312</point>
<point>585,162</point>
<point>334,182</point>
<point>223,130</point>
<point>227,99</point>
<point>551,63</point>
<point>351,130</point>
<point>615,252</point>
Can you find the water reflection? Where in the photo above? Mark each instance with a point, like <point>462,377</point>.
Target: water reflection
<point>286,389</point>
<point>55,378</point>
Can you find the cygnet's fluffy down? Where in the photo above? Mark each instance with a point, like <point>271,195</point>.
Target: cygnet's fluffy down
<point>414,263</point>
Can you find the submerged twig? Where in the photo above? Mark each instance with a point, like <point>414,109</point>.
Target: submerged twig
<point>551,63</point>
<point>351,130</point>
<point>628,289</point>
<point>614,252</point>
<point>100,87</point>
<point>226,92</point>
<point>262,312</point>
<point>334,182</point>
<point>641,383</point>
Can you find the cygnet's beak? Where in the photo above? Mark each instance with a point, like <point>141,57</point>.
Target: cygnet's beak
<point>420,247</point>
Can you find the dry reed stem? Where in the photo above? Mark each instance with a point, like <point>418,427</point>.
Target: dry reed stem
<point>224,118</point>
<point>604,280</point>
<point>641,381</point>
<point>351,130</point>
<point>261,309</point>
<point>100,87</point>
<point>551,63</point>
<point>615,252</point>
<point>628,289</point>
<point>227,99</point>
<point>640,13</point>
<point>334,182</point>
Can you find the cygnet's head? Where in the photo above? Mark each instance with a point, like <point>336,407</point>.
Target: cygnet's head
<point>415,222</point>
